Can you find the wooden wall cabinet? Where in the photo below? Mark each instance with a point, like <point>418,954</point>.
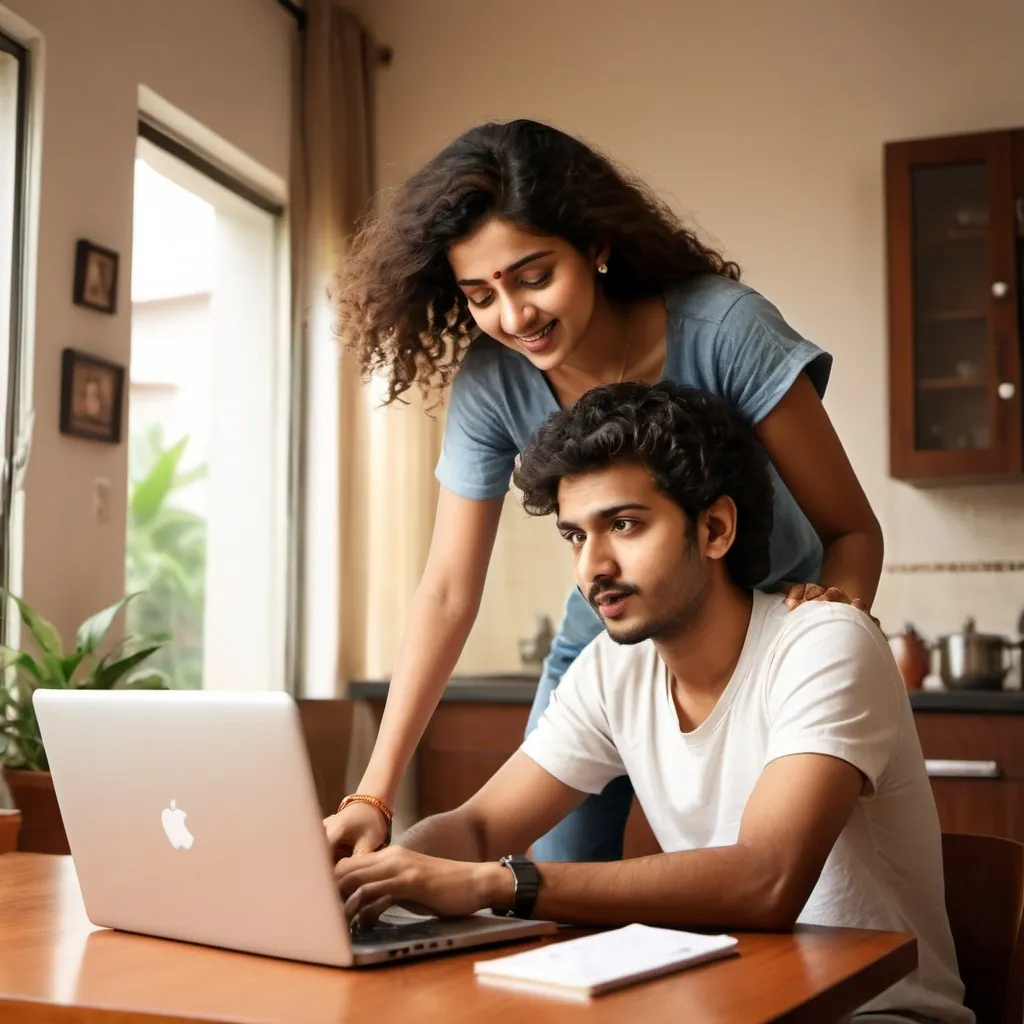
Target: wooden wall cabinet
<point>955,225</point>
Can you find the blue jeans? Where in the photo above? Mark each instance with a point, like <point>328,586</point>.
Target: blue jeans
<point>595,829</point>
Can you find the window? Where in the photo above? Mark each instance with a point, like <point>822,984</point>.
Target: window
<point>209,417</point>
<point>13,148</point>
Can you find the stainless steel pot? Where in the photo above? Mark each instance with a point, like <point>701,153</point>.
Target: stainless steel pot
<point>974,661</point>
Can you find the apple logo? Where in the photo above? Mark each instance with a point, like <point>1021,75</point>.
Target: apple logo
<point>173,820</point>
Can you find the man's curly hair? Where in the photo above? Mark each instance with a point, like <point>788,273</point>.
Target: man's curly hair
<point>695,446</point>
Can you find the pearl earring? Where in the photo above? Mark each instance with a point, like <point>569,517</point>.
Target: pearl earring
<point>603,268</point>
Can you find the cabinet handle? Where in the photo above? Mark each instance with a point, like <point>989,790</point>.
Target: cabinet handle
<point>940,769</point>
<point>1006,390</point>
<point>1000,289</point>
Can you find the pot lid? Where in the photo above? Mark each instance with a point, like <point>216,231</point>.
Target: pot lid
<point>969,632</point>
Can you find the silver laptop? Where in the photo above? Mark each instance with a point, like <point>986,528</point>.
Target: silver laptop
<point>193,816</point>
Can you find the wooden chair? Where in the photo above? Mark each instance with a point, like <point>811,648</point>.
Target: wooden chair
<point>985,903</point>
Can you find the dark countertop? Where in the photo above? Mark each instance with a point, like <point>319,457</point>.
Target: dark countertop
<point>520,687</point>
<point>988,701</point>
<point>496,688</point>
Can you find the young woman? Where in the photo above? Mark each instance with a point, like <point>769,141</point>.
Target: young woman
<point>523,268</point>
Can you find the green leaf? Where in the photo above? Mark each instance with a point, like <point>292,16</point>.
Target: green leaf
<point>94,629</point>
<point>152,679</point>
<point>108,674</point>
<point>44,633</point>
<point>185,479</point>
<point>23,729</point>
<point>160,638</point>
<point>55,674</point>
<point>70,663</point>
<point>149,493</point>
<point>21,659</point>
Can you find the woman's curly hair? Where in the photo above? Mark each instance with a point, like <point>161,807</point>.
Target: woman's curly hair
<point>395,298</point>
<point>694,444</point>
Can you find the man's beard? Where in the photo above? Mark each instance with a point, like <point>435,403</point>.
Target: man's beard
<point>681,597</point>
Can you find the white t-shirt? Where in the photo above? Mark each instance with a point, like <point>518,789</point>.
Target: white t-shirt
<point>821,680</point>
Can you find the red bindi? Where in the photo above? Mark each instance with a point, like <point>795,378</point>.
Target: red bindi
<point>497,275</point>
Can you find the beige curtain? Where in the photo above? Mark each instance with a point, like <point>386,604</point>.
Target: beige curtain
<point>369,492</point>
<point>331,184</point>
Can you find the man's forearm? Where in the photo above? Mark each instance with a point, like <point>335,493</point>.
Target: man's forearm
<point>454,835</point>
<point>720,887</point>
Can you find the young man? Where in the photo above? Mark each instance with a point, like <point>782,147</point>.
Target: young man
<point>773,751</point>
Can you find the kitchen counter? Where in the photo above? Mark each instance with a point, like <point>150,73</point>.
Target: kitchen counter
<point>505,688</point>
<point>987,701</point>
<point>520,687</point>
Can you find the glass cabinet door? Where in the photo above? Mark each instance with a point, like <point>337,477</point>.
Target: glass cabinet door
<point>953,324</point>
<point>952,287</point>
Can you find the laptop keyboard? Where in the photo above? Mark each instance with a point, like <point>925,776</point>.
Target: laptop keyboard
<point>383,933</point>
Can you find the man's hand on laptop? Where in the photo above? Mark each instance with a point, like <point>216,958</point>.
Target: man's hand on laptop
<point>359,828</point>
<point>447,888</point>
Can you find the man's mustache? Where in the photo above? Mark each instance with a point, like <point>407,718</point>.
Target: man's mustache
<point>599,590</point>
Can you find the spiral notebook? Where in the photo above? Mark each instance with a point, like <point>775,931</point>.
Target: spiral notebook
<point>589,966</point>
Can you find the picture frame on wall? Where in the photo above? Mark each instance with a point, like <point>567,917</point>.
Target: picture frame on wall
<point>95,277</point>
<point>91,396</point>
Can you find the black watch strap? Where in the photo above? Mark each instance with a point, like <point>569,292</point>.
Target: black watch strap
<point>527,885</point>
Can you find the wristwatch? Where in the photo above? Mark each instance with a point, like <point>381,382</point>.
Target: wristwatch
<point>527,885</point>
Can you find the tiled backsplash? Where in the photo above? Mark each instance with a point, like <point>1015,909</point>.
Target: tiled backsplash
<point>1002,565</point>
<point>949,553</point>
<point>937,598</point>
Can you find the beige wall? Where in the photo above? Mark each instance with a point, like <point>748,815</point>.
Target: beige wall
<point>765,122</point>
<point>227,65</point>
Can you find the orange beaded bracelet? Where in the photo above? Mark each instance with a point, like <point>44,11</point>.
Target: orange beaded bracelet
<point>364,798</point>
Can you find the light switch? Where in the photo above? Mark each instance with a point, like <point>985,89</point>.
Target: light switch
<point>101,499</point>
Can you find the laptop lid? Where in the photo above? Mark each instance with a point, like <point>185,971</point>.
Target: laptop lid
<point>193,816</point>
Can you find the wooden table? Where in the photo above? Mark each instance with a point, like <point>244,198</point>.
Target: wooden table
<point>55,968</point>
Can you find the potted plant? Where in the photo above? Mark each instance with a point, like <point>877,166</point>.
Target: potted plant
<point>25,768</point>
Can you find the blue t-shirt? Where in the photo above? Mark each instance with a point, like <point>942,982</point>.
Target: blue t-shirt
<point>721,336</point>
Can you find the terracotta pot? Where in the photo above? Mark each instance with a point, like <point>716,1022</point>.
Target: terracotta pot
<point>911,656</point>
<point>42,828</point>
<point>10,825</point>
